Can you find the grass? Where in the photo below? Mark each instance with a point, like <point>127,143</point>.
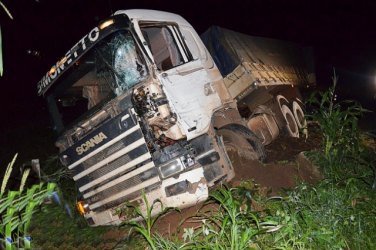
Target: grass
<point>326,216</point>
<point>59,226</point>
<point>53,228</point>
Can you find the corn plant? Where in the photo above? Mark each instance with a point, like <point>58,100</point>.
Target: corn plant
<point>338,123</point>
<point>234,226</point>
<point>17,208</point>
<point>326,216</point>
<point>144,227</point>
<point>1,51</point>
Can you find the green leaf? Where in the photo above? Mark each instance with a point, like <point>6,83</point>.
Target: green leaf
<point>6,10</point>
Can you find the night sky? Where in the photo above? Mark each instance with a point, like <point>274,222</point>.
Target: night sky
<point>342,34</point>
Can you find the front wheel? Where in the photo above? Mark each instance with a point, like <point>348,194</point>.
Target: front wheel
<point>246,145</point>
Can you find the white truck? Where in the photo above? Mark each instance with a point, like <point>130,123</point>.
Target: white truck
<point>141,105</point>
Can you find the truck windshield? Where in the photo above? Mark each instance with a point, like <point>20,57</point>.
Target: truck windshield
<point>107,70</point>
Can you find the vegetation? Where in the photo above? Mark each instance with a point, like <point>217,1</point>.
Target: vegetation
<point>59,226</point>
<point>1,51</point>
<point>339,126</point>
<point>53,228</point>
<point>17,208</point>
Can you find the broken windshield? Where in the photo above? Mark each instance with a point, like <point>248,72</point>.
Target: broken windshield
<point>109,69</point>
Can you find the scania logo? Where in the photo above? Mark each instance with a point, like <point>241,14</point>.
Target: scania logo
<point>91,143</point>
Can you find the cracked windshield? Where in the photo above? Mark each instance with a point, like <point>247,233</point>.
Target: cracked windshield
<point>110,68</point>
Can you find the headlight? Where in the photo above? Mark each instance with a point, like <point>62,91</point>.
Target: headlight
<point>171,168</point>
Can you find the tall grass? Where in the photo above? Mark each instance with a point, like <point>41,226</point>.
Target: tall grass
<point>17,208</point>
<point>326,216</point>
<point>338,121</point>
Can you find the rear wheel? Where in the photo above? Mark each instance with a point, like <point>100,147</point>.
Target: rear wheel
<point>291,127</point>
<point>298,115</point>
<point>282,100</point>
<point>300,119</point>
<point>285,117</point>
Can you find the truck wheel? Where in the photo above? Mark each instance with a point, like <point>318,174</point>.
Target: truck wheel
<point>237,144</point>
<point>240,139</point>
<point>282,100</point>
<point>299,115</point>
<point>291,127</point>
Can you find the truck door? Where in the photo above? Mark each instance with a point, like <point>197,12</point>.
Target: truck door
<point>183,76</point>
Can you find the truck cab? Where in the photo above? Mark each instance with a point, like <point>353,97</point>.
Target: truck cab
<point>132,104</point>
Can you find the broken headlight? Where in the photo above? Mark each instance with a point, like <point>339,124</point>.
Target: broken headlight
<point>171,168</point>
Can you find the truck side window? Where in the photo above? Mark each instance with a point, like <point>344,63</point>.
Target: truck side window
<point>191,43</point>
<point>163,46</point>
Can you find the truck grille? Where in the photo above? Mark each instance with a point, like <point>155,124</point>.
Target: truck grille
<point>117,171</point>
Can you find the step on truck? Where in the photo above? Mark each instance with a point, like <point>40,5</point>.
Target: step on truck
<point>142,105</point>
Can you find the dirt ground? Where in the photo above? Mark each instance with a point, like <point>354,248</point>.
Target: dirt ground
<point>284,167</point>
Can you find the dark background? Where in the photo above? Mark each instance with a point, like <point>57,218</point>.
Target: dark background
<point>341,33</point>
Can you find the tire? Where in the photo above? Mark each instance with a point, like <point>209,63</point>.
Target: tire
<point>299,115</point>
<point>291,127</point>
<point>239,138</point>
<point>282,100</point>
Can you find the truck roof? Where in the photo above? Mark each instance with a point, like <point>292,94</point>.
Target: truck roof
<point>153,15</point>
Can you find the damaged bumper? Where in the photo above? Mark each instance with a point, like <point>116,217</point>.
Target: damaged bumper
<point>188,189</point>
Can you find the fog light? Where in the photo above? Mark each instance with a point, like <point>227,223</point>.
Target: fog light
<point>82,207</point>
